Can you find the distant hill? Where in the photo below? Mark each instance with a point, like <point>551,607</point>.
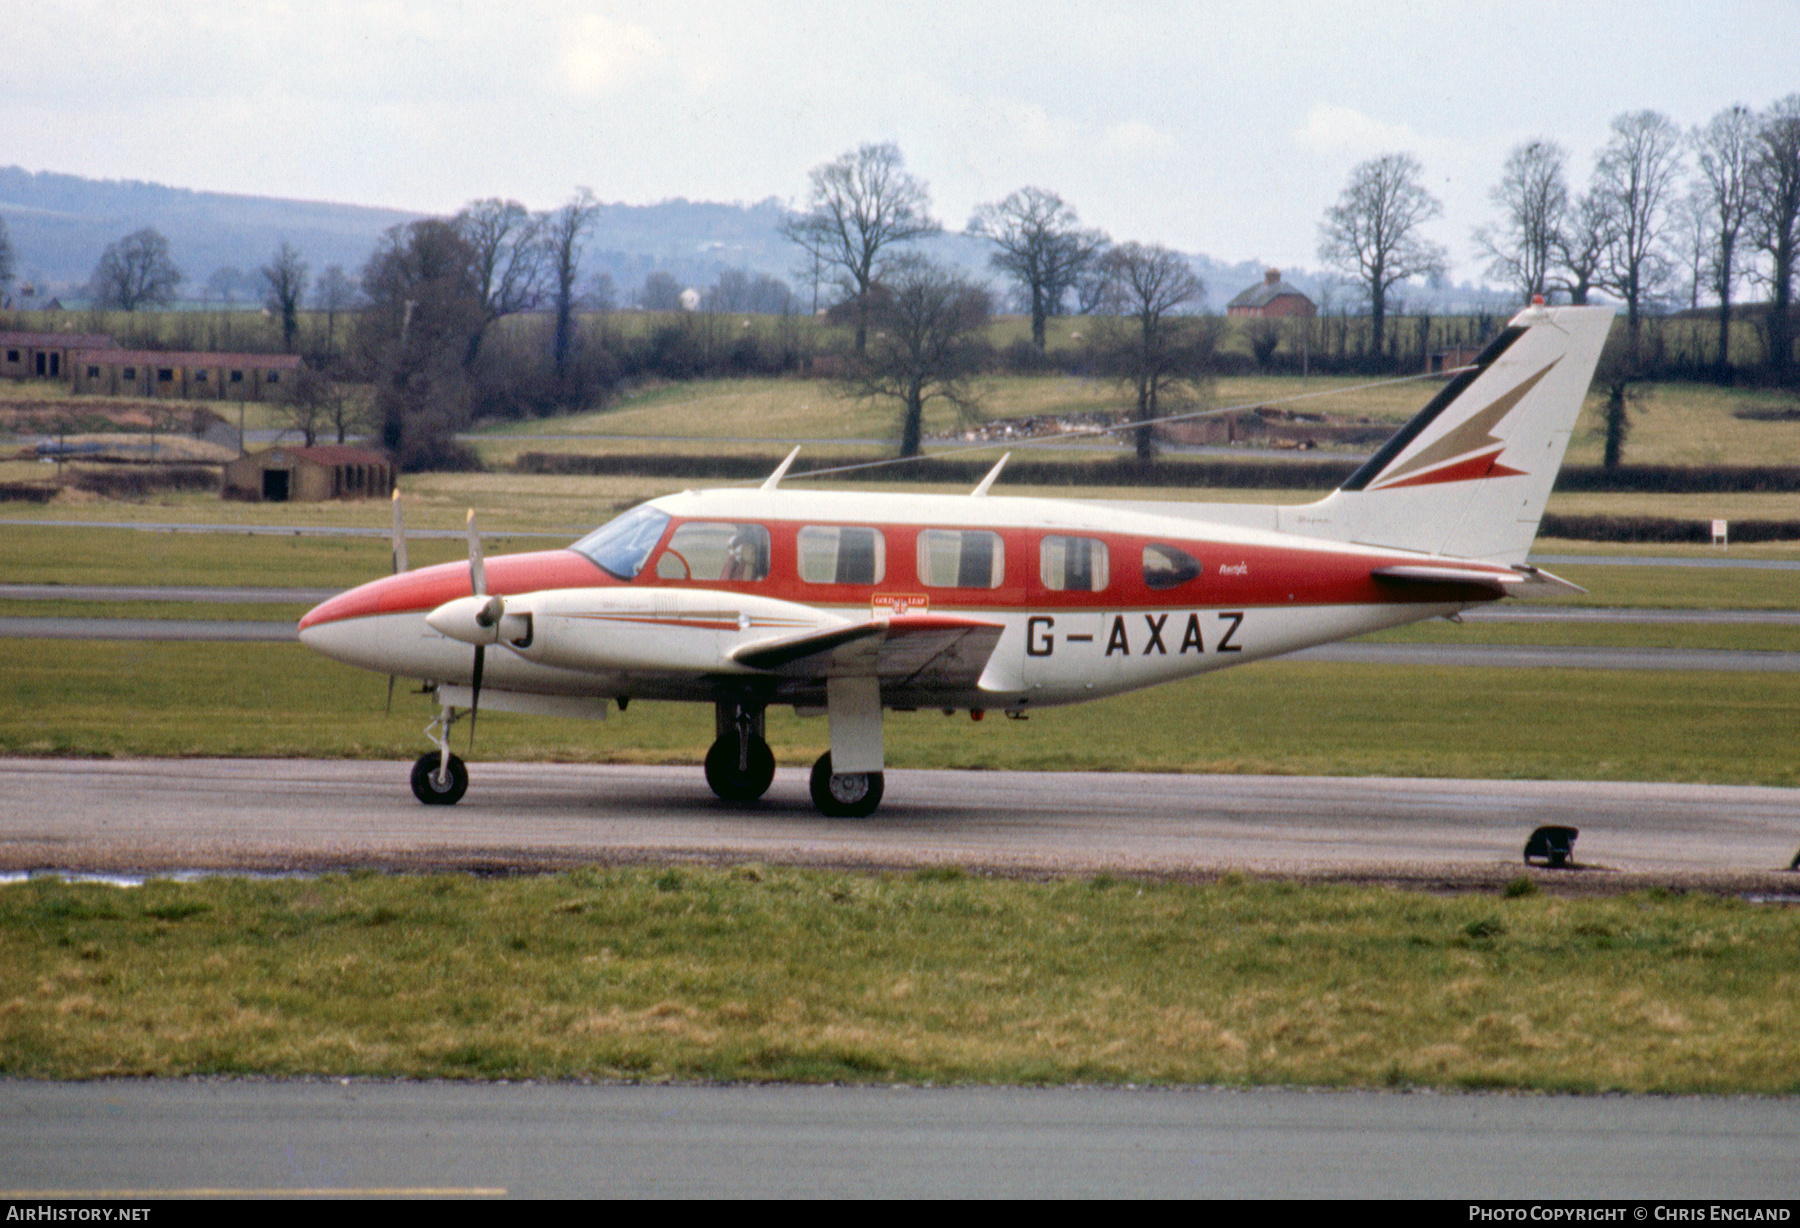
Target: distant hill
<point>60,224</point>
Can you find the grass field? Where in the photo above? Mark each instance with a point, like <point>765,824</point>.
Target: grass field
<point>759,973</point>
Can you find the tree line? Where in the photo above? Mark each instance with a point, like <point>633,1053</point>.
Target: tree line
<point>423,313</point>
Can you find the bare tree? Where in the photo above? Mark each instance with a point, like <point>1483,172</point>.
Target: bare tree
<point>860,206</point>
<point>1725,149</point>
<point>226,281</point>
<point>1690,242</point>
<point>1532,196</point>
<point>769,296</point>
<point>1581,243</point>
<point>929,323</point>
<point>1042,248</point>
<point>660,292</point>
<point>1634,176</point>
<point>7,268</point>
<point>423,305</point>
<point>564,233</point>
<point>1775,219</point>
<point>135,272</point>
<point>333,294</point>
<point>284,279</point>
<point>509,260</point>
<point>1148,344</point>
<point>1372,233</point>
<point>305,404</point>
<point>730,293</point>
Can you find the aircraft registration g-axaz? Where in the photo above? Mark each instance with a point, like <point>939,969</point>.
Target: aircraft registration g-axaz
<point>846,604</point>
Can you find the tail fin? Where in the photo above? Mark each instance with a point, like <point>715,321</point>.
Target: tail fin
<point>1470,474</point>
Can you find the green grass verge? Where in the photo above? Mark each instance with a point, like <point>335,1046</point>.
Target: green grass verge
<point>773,974</point>
<point>1306,718</point>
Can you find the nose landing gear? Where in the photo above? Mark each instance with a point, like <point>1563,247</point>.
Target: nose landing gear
<point>439,778</point>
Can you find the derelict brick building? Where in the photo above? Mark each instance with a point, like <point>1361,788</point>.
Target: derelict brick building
<point>183,374</point>
<point>309,475</point>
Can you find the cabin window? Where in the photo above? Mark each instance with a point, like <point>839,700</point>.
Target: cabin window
<point>842,554</point>
<point>1168,567</point>
<point>12,356</point>
<point>165,375</point>
<point>274,377</point>
<point>961,558</point>
<point>710,551</point>
<point>200,376</point>
<point>130,372</point>
<point>620,546</point>
<point>93,372</point>
<point>237,377</point>
<point>1072,564</point>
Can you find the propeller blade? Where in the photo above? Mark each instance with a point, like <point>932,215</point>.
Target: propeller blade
<point>477,570</point>
<point>475,693</point>
<point>399,566</point>
<point>399,535</point>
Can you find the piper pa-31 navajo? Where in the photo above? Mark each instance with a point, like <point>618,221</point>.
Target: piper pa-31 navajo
<point>847,604</point>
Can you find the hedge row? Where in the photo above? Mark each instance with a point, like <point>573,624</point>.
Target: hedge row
<point>1662,529</point>
<point>1224,472</point>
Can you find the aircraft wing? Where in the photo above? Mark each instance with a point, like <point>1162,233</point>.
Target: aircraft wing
<point>928,650</point>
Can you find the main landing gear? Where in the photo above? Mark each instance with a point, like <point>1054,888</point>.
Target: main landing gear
<point>844,795</point>
<point>740,767</point>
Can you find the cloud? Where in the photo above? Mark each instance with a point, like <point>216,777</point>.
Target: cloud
<point>601,56</point>
<point>1345,130</point>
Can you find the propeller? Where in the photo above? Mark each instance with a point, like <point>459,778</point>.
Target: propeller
<point>479,620</point>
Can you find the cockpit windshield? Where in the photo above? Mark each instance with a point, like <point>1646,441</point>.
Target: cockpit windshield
<point>621,545</point>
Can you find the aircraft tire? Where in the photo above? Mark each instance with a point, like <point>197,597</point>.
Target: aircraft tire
<point>425,784</point>
<point>731,785</point>
<point>848,795</point>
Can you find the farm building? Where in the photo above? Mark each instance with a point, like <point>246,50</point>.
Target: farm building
<point>1451,359</point>
<point>309,475</point>
<point>47,355</point>
<point>1274,298</point>
<point>182,374</point>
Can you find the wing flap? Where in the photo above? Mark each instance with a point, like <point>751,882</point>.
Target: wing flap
<point>915,649</point>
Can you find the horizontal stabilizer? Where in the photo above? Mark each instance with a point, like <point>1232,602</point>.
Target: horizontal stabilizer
<point>1519,581</point>
<point>916,649</point>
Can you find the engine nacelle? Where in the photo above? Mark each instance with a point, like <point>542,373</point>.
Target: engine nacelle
<point>603,630</point>
<point>481,621</point>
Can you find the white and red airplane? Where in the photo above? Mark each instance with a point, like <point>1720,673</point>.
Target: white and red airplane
<point>847,604</point>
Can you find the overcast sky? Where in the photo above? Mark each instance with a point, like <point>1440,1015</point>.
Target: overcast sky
<point>1223,128</point>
